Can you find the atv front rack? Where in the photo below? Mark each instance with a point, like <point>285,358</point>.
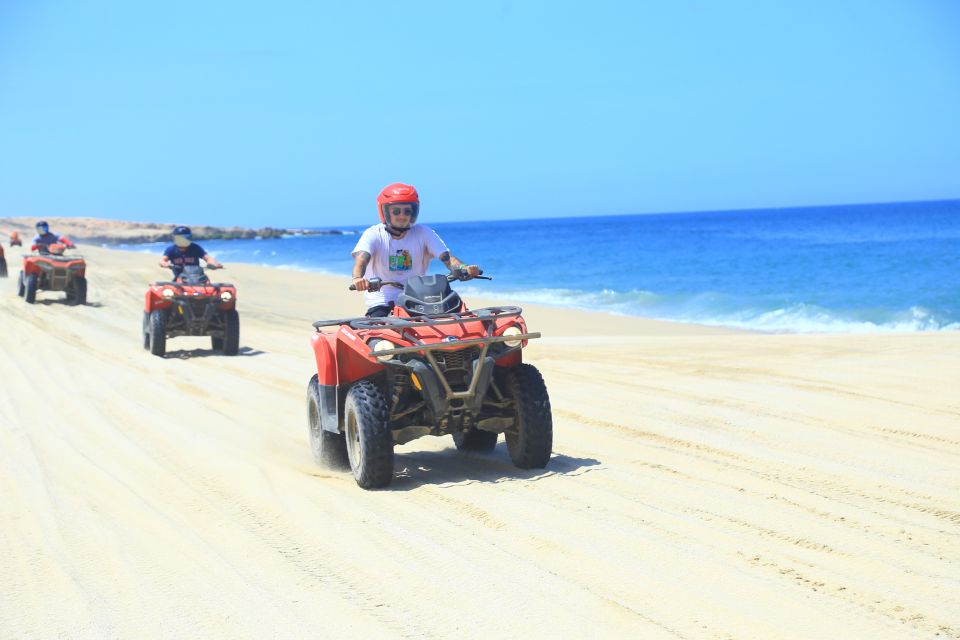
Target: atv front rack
<point>446,346</point>
<point>485,315</point>
<point>390,322</point>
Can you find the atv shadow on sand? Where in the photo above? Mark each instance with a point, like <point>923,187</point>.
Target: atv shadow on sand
<point>186,354</point>
<point>425,468</point>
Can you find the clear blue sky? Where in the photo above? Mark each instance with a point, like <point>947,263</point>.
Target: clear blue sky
<point>296,113</point>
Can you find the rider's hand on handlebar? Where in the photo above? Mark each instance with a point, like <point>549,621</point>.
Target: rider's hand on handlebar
<point>360,284</point>
<point>467,271</point>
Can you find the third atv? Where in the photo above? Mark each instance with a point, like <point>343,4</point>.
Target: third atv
<point>191,305</point>
<point>433,367</point>
<point>48,269</point>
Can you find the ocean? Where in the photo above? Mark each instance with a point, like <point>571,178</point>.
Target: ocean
<point>842,269</point>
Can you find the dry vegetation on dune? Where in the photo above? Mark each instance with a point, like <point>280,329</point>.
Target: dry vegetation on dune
<point>98,230</point>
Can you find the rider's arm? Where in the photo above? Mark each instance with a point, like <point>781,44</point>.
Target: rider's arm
<point>67,241</point>
<point>455,265</point>
<point>210,261</point>
<point>360,261</point>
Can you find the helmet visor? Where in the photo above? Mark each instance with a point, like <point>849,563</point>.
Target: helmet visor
<point>398,213</point>
<point>43,228</point>
<point>182,240</point>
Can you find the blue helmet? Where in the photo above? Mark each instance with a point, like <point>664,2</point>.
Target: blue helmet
<point>182,236</point>
<point>43,227</point>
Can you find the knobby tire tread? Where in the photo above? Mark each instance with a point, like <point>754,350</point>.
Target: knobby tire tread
<point>531,445</point>
<point>376,440</point>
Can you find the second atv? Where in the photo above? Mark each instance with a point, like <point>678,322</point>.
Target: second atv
<point>50,270</point>
<point>191,305</point>
<point>433,367</point>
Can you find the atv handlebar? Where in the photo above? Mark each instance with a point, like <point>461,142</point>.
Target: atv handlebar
<point>376,283</point>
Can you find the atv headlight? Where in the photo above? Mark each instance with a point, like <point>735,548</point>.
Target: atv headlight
<point>512,330</point>
<point>383,345</point>
<point>168,293</point>
<point>226,296</point>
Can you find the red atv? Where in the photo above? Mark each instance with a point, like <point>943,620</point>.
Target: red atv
<point>51,270</point>
<point>433,367</point>
<point>191,305</point>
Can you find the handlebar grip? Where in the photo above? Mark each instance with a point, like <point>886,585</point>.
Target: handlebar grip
<point>353,287</point>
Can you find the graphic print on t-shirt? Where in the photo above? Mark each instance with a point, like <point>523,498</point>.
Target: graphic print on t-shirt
<point>400,261</point>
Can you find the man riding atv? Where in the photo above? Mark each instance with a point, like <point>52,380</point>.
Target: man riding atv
<point>43,239</point>
<point>398,249</point>
<point>184,252</point>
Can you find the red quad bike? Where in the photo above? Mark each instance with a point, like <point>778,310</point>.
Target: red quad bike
<point>433,367</point>
<point>191,305</point>
<point>53,271</point>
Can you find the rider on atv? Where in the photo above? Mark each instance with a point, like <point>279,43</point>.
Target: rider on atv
<point>44,239</point>
<point>184,252</point>
<point>398,249</point>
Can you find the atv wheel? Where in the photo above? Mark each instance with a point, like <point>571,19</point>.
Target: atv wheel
<point>231,332</point>
<point>216,343</point>
<point>369,441</point>
<point>30,288</point>
<point>531,439</point>
<point>475,440</point>
<point>20,285</point>
<point>3,267</point>
<point>78,294</point>
<point>146,330</point>
<point>329,449</point>
<point>158,333</point>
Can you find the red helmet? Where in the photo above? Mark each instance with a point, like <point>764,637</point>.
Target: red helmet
<point>397,193</point>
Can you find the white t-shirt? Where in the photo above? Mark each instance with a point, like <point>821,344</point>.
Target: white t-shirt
<point>397,259</point>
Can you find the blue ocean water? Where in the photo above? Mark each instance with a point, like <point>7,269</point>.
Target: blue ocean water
<point>863,268</point>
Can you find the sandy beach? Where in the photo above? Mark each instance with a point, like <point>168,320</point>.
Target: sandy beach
<point>704,483</point>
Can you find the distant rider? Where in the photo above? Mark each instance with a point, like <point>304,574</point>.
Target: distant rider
<point>185,252</point>
<point>398,249</point>
<point>44,239</point>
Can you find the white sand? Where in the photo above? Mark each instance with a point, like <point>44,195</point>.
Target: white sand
<point>704,484</point>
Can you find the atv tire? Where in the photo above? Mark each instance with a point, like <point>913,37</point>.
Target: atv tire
<point>216,343</point>
<point>329,449</point>
<point>21,287</point>
<point>3,267</point>
<point>530,441</point>
<point>369,441</point>
<point>231,332</point>
<point>158,333</point>
<point>30,288</point>
<point>475,440</point>
<point>146,330</point>
<point>78,295</point>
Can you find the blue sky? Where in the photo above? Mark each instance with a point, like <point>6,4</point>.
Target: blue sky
<point>297,113</point>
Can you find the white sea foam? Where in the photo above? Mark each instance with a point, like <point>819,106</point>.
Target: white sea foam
<point>716,310</point>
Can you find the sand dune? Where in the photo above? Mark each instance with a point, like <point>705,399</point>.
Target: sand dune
<point>704,484</point>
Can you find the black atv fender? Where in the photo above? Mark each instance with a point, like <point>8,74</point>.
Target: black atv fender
<point>331,398</point>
